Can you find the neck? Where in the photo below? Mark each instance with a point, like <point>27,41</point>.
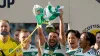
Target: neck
<point>3,38</point>
<point>54,46</point>
<point>25,46</point>
<point>96,46</point>
<point>86,49</point>
<point>74,47</point>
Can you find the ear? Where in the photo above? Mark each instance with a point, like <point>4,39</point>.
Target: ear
<point>9,29</point>
<point>30,40</point>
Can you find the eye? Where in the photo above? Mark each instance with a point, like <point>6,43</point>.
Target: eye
<point>50,36</point>
<point>1,26</point>
<point>98,37</point>
<point>69,38</point>
<point>54,36</point>
<point>24,37</point>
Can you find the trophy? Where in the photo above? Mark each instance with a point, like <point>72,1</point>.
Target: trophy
<point>46,15</point>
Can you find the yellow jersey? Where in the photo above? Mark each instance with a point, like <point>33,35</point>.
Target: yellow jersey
<point>9,46</point>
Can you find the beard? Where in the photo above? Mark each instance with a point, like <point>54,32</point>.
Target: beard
<point>52,43</point>
<point>4,33</point>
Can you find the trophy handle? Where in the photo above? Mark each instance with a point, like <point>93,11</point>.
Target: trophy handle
<point>34,9</point>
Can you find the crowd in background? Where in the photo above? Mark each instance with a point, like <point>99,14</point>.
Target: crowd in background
<point>31,26</point>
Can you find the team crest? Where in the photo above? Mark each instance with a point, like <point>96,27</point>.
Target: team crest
<point>10,49</point>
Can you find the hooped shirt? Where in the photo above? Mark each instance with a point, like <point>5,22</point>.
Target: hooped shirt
<point>97,52</point>
<point>88,53</point>
<point>31,51</point>
<point>59,50</point>
<point>71,52</point>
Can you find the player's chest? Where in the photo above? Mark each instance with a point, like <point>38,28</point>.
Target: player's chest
<point>7,47</point>
<point>58,52</point>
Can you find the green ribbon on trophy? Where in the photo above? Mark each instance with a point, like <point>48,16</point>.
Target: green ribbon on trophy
<point>47,14</point>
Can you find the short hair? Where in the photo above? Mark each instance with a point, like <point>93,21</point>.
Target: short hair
<point>18,30</point>
<point>5,21</point>
<point>76,32</point>
<point>97,32</point>
<point>24,30</point>
<point>90,37</point>
<point>55,32</point>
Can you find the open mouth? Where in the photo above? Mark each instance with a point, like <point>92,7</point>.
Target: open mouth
<point>52,41</point>
<point>52,44</point>
<point>72,44</point>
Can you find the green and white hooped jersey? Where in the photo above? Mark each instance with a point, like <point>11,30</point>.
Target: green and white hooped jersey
<point>71,52</point>
<point>98,52</point>
<point>59,50</point>
<point>31,51</point>
<point>88,53</point>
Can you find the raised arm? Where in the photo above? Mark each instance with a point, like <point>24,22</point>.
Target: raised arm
<point>41,36</point>
<point>62,33</point>
<point>37,42</point>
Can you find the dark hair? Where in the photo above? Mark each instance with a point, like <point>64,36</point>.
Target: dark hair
<point>18,30</point>
<point>90,37</point>
<point>97,32</point>
<point>55,32</point>
<point>76,32</point>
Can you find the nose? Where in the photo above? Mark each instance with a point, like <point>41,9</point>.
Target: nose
<point>3,28</point>
<point>70,40</point>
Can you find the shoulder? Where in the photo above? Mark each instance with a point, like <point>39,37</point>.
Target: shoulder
<point>12,40</point>
<point>79,52</point>
<point>32,46</point>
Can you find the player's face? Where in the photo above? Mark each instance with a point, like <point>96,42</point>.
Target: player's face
<point>98,38</point>
<point>23,36</point>
<point>72,40</point>
<point>4,26</point>
<point>53,39</point>
<point>83,41</point>
<point>16,35</point>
